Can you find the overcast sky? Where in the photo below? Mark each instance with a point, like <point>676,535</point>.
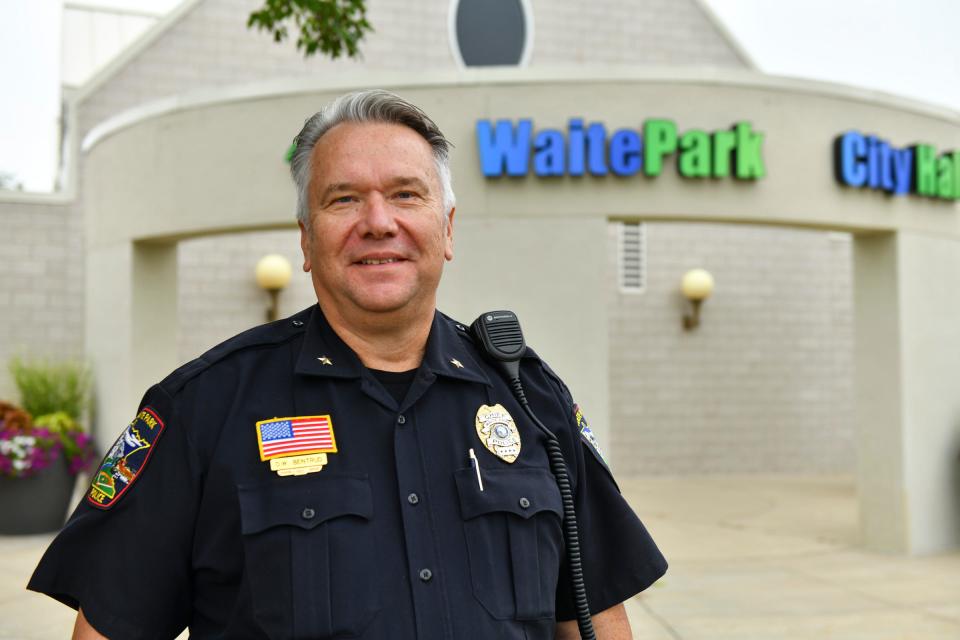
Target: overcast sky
<point>903,47</point>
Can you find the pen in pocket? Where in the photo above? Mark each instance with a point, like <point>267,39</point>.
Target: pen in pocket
<point>476,465</point>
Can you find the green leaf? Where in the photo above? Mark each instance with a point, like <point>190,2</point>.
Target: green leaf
<point>327,26</point>
<point>47,387</point>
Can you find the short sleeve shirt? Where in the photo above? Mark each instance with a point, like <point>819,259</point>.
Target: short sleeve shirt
<point>392,537</point>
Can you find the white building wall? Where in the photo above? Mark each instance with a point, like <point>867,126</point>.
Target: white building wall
<point>93,36</point>
<point>211,46</point>
<point>41,285</point>
<point>618,32</point>
<point>764,384</point>
<point>217,295</point>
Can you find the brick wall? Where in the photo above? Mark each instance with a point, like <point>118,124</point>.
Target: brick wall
<point>211,46</point>
<point>618,32</point>
<point>217,294</point>
<point>764,385</point>
<point>41,284</point>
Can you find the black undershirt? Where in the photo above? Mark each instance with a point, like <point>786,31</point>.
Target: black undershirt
<point>397,383</point>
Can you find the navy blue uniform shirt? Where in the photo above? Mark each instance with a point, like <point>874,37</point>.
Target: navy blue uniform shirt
<point>393,538</point>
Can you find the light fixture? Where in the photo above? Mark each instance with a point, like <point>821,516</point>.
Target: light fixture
<point>273,274</point>
<point>697,286</point>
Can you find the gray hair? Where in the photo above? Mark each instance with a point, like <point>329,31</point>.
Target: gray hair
<point>374,105</point>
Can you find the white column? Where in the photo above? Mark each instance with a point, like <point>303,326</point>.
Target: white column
<point>929,269</point>
<point>131,327</point>
<point>877,388</point>
<point>907,367</point>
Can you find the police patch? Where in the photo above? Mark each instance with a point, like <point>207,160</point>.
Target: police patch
<point>125,460</point>
<point>587,434</point>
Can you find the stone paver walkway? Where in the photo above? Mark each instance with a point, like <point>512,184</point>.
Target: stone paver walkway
<point>778,559</point>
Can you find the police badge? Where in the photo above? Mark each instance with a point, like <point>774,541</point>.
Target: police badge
<point>498,433</point>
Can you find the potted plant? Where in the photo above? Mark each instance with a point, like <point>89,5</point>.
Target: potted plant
<point>42,446</point>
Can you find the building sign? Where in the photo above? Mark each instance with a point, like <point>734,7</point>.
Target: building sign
<point>869,162</point>
<point>512,148</point>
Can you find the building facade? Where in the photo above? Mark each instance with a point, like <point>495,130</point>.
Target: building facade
<point>177,185</point>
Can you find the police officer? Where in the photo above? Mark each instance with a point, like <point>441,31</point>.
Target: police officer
<point>358,470</point>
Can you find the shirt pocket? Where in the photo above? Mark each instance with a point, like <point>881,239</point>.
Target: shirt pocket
<point>514,540</point>
<point>310,555</point>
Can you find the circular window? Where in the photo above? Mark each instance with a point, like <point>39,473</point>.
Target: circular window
<point>486,33</point>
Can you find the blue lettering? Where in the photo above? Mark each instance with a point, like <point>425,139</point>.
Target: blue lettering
<point>625,148</point>
<point>504,147</point>
<point>902,170</point>
<point>886,166</point>
<point>548,157</point>
<point>853,151</point>
<point>873,163</point>
<point>577,147</point>
<point>597,137</point>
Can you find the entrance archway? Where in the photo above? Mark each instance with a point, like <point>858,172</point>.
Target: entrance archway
<point>538,244</point>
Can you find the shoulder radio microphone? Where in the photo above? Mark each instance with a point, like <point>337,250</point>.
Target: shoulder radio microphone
<point>499,335</point>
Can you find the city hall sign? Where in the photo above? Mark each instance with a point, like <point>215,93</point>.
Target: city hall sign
<point>870,162</point>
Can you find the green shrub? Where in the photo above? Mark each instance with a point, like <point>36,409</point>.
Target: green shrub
<point>47,387</point>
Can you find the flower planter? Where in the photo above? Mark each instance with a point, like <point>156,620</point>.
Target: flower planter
<point>37,504</point>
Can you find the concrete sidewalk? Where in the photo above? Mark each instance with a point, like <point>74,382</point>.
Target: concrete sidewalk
<point>752,558</point>
<point>773,558</point>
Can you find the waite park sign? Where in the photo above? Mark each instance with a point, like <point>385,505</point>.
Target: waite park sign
<point>513,148</point>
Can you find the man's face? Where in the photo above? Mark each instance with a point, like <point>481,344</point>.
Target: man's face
<point>378,238</point>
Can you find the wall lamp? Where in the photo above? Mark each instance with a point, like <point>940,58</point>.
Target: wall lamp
<point>273,274</point>
<point>697,286</point>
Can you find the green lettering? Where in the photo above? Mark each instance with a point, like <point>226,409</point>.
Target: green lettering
<point>955,158</point>
<point>724,143</point>
<point>945,186</point>
<point>749,161</point>
<point>694,160</point>
<point>925,172</point>
<point>659,139</point>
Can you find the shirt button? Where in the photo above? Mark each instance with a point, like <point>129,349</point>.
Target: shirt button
<point>308,513</point>
<point>524,503</point>
<point>413,498</point>
<point>401,419</point>
<point>426,575</point>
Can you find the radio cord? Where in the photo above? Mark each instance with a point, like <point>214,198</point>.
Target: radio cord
<point>570,533</point>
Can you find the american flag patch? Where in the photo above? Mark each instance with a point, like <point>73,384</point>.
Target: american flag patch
<point>280,437</point>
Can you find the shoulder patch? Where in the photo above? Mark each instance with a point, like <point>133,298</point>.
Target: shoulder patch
<point>126,459</point>
<point>587,435</point>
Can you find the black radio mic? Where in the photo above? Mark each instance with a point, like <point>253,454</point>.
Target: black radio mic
<point>502,339</point>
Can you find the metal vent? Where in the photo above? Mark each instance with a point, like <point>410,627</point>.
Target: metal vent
<point>633,257</point>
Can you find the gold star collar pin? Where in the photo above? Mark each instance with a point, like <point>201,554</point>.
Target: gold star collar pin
<point>456,363</point>
<point>325,361</point>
